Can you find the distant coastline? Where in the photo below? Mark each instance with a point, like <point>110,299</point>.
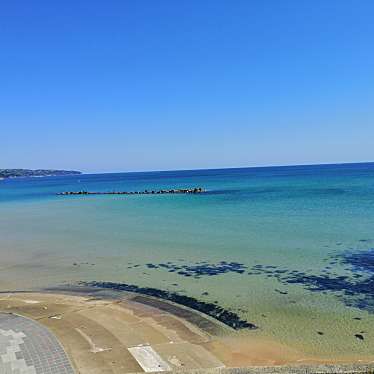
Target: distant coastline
<point>22,173</point>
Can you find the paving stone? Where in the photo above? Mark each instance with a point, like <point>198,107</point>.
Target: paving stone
<point>26,347</point>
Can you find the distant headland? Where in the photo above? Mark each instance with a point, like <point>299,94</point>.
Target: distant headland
<point>19,173</point>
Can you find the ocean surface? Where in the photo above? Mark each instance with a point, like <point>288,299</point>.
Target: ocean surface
<point>289,249</point>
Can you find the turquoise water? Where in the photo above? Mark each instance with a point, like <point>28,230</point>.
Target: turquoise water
<point>295,231</point>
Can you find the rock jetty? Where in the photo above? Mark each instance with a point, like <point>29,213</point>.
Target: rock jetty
<point>145,192</point>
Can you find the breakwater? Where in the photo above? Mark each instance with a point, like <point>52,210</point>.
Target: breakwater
<point>225,316</point>
<point>194,190</point>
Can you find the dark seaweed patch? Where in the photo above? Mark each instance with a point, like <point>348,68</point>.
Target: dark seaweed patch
<point>201,268</point>
<point>363,260</point>
<point>225,316</point>
<point>356,289</point>
<point>151,266</point>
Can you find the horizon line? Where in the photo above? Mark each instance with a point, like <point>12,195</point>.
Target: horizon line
<point>228,168</point>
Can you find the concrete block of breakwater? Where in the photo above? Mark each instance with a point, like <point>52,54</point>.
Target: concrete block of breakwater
<point>195,190</point>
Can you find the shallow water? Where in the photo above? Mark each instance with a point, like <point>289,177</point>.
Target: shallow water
<point>302,239</point>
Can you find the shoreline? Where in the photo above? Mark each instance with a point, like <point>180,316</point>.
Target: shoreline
<point>179,324</point>
<point>228,318</point>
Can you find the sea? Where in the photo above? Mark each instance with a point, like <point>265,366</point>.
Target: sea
<point>289,249</point>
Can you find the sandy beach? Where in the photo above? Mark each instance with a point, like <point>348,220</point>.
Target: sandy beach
<point>113,335</point>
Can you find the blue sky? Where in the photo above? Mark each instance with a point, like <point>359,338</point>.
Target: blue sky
<point>152,85</point>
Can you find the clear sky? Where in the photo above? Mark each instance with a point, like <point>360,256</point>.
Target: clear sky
<point>121,85</point>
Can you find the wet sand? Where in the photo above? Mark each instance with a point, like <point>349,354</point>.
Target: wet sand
<point>100,334</point>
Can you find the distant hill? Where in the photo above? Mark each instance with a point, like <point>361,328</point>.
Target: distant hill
<point>16,173</point>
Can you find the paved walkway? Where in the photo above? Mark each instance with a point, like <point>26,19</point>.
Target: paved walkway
<point>26,347</point>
